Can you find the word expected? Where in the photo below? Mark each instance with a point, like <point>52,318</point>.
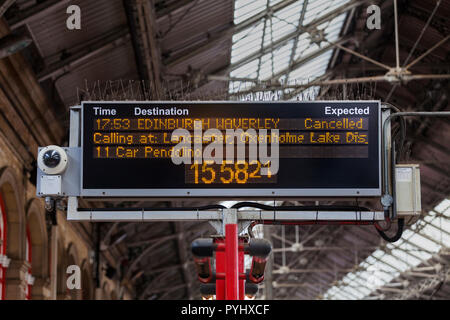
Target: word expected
<point>339,111</point>
<point>239,172</point>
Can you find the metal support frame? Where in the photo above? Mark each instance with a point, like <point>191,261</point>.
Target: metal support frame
<point>5,6</point>
<point>54,262</point>
<point>36,12</point>
<point>230,250</point>
<point>146,18</point>
<point>83,54</point>
<point>220,268</point>
<point>95,215</point>
<point>241,270</point>
<point>313,24</point>
<point>273,82</point>
<point>228,223</point>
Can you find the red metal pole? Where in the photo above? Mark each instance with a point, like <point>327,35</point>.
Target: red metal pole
<point>241,270</point>
<point>220,268</point>
<point>232,267</point>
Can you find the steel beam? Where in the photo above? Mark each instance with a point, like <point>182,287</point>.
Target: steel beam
<point>176,5</point>
<point>290,249</point>
<point>304,59</point>
<point>268,286</point>
<point>152,57</point>
<point>316,255</point>
<point>294,47</point>
<point>156,239</point>
<point>420,288</point>
<point>263,14</point>
<point>346,270</point>
<point>152,286</point>
<point>5,6</point>
<point>329,16</point>
<point>165,268</point>
<point>147,251</point>
<point>182,255</point>
<point>297,64</point>
<point>94,48</point>
<point>207,215</point>
<point>225,34</point>
<point>191,52</point>
<point>166,289</point>
<point>36,12</point>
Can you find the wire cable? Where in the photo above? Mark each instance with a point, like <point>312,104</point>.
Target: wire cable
<point>397,236</point>
<point>297,208</point>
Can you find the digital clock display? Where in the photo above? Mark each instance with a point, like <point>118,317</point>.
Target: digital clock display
<point>129,148</point>
<point>240,172</point>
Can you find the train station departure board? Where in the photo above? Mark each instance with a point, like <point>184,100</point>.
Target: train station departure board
<point>252,149</point>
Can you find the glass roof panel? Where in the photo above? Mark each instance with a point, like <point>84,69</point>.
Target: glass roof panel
<point>354,292</point>
<point>443,206</point>
<point>248,70</point>
<point>411,260</point>
<point>418,252</point>
<point>272,2</point>
<point>278,41</point>
<point>247,42</point>
<point>435,232</point>
<point>441,223</point>
<point>424,243</point>
<point>411,251</point>
<point>244,9</point>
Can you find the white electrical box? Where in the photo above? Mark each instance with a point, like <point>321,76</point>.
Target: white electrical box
<point>51,185</point>
<point>407,190</point>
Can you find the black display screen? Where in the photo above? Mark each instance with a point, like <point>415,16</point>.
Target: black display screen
<point>321,145</point>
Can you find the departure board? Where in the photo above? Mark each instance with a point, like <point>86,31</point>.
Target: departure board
<point>231,149</point>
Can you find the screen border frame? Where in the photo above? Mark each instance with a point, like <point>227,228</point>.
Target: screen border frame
<point>232,192</point>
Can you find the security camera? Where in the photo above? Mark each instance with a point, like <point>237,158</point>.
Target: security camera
<point>52,160</point>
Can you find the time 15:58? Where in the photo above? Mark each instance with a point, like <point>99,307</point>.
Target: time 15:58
<point>227,172</point>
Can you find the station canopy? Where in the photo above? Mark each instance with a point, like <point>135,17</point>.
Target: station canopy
<point>286,46</point>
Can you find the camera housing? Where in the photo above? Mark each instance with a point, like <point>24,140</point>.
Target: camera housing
<point>52,160</point>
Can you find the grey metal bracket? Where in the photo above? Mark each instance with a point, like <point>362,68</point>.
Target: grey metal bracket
<point>218,218</point>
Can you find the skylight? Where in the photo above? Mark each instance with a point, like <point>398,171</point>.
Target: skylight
<point>286,44</point>
<point>417,245</point>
